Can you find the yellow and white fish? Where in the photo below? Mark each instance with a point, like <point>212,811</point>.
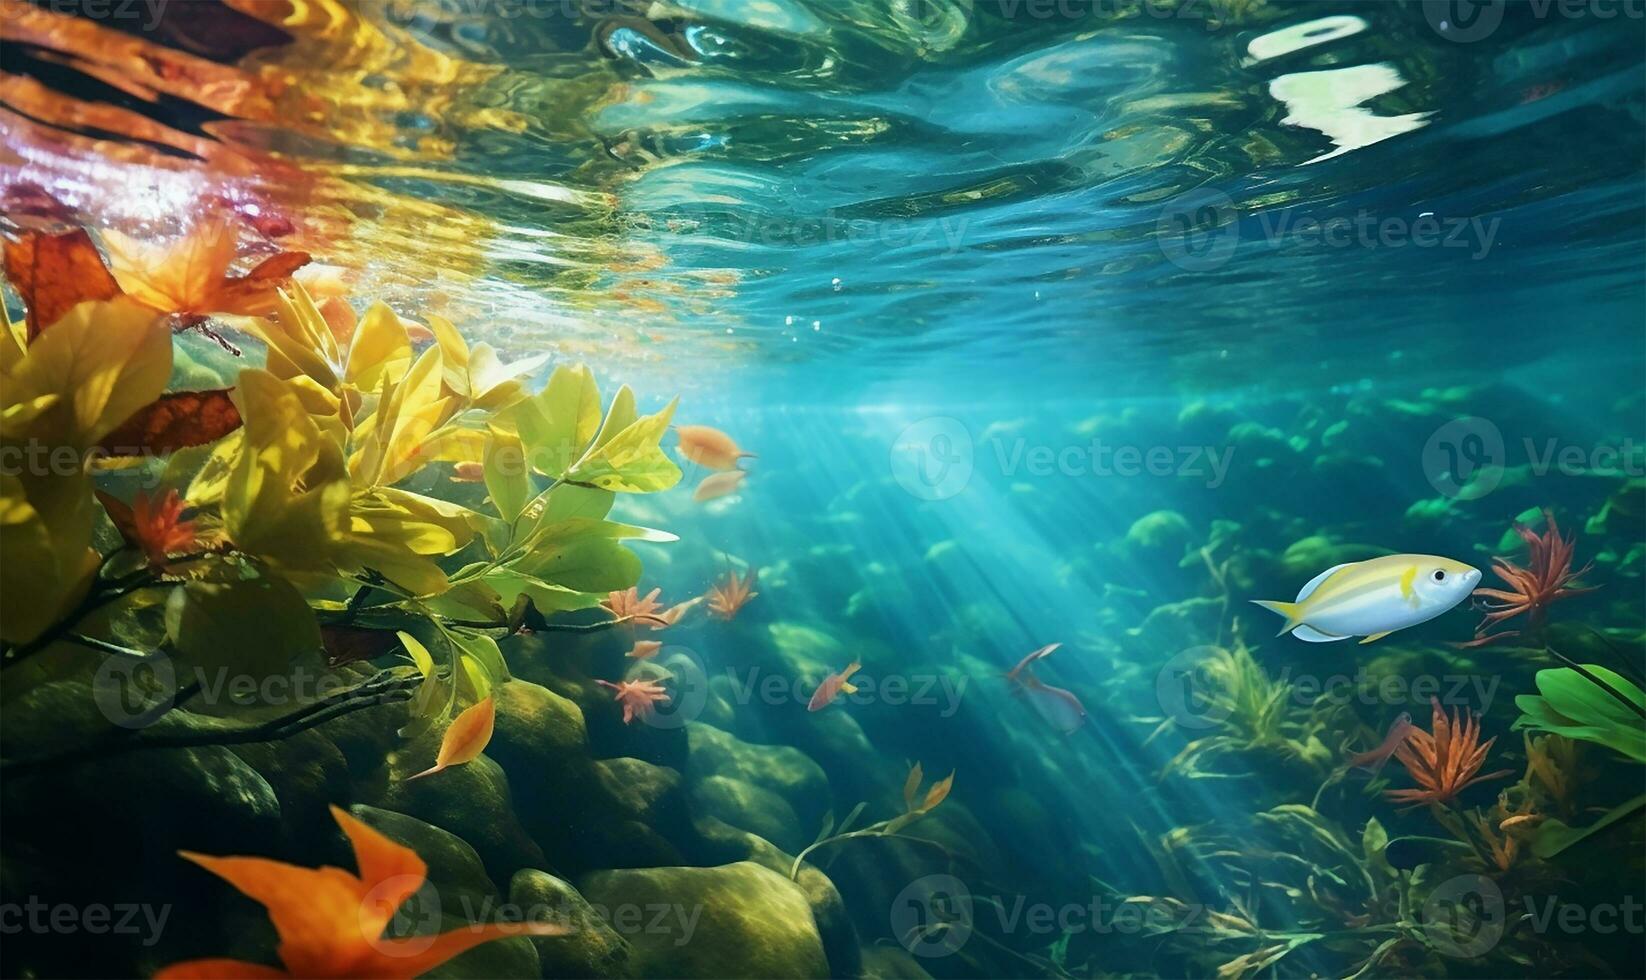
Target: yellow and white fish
<point>1374,598</point>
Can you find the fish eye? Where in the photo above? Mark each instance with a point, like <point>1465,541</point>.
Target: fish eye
<point>1440,576</point>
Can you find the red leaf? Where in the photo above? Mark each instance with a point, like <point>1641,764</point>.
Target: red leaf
<point>173,422</point>
<point>53,273</point>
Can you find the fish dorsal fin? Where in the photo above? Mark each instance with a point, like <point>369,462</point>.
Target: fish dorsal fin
<point>1314,583</point>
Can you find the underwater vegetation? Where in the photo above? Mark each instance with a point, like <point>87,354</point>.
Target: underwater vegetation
<point>456,516</point>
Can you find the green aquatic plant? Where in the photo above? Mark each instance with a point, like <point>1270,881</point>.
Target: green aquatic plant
<point>1251,713</point>
<point>915,806</point>
<point>1580,707</point>
<point>297,515</point>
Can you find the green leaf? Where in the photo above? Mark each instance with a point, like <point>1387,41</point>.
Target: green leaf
<point>252,626</point>
<point>632,461</point>
<point>546,597</point>
<point>586,563</point>
<point>482,649</point>
<point>1553,836</point>
<point>1569,704</point>
<point>505,471</point>
<point>557,424</point>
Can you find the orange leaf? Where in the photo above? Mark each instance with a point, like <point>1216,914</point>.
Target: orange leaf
<point>53,273</point>
<point>911,786</point>
<point>120,513</point>
<point>466,738</point>
<point>175,421</point>
<point>219,969</point>
<point>253,294</point>
<point>938,793</point>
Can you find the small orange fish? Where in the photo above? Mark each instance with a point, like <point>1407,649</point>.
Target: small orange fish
<point>832,686</point>
<point>645,649</point>
<point>719,485</point>
<point>468,471</point>
<point>709,447</point>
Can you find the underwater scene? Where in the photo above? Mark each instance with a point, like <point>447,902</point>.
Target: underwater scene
<point>823,488</point>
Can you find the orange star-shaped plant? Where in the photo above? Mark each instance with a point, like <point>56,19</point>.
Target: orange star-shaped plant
<point>331,922</point>
<point>154,525</point>
<point>637,697</point>
<point>726,600</point>
<point>1444,762</point>
<point>190,275</point>
<point>1545,580</point>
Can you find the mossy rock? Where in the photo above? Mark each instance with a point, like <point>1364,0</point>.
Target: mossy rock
<point>454,867</point>
<point>749,807</point>
<point>514,958</point>
<point>591,949</point>
<point>307,771</point>
<point>780,769</point>
<point>472,801</point>
<point>736,920</point>
<point>1161,531</point>
<point>883,962</point>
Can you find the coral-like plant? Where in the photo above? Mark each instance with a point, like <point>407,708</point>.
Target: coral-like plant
<point>1444,761</point>
<point>1530,590</point>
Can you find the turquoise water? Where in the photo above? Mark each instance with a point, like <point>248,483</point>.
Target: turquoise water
<point>1078,323</point>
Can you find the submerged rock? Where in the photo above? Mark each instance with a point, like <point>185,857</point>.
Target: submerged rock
<point>736,920</point>
<point>592,949</point>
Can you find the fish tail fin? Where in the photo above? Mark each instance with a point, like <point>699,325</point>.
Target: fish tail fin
<point>1290,610</point>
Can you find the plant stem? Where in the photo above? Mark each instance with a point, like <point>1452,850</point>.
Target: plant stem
<point>385,688</point>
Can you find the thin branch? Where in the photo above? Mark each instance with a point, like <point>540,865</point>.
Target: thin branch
<point>386,688</point>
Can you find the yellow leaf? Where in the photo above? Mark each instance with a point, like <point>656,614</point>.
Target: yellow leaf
<point>299,340</point>
<point>287,498</point>
<point>48,557</point>
<point>380,348</point>
<point>104,361</point>
<point>557,424</point>
<point>631,461</point>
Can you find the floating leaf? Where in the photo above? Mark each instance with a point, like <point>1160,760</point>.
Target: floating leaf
<point>54,273</point>
<point>465,738</point>
<point>190,274</point>
<point>174,421</point>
